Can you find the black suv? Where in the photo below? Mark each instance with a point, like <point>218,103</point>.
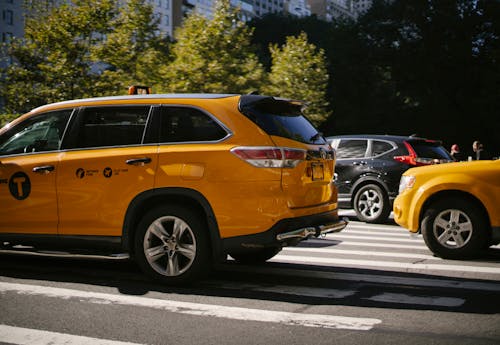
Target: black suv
<point>369,168</point>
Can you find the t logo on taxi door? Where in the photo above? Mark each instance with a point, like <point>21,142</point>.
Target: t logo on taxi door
<point>20,185</point>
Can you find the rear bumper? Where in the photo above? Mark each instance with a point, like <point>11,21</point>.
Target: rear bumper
<point>287,232</point>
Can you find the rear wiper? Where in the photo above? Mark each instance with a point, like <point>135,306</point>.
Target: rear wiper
<point>316,136</point>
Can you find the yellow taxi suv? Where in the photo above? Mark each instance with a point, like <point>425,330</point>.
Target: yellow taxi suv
<point>456,206</point>
<point>178,182</point>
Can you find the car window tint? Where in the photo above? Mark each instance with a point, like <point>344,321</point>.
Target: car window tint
<point>280,118</point>
<point>351,148</point>
<point>425,149</point>
<point>40,133</point>
<point>380,147</point>
<point>184,124</point>
<point>112,126</point>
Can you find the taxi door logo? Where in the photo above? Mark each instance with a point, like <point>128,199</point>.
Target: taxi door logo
<point>20,185</point>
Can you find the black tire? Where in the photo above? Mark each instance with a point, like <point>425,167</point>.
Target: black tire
<point>371,204</point>
<point>257,256</point>
<point>172,245</point>
<point>454,229</point>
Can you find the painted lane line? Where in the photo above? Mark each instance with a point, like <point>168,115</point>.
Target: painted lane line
<point>386,264</point>
<point>27,336</point>
<point>356,237</point>
<point>378,227</point>
<point>371,244</point>
<point>371,278</point>
<point>235,313</point>
<point>376,234</point>
<point>333,250</point>
<point>436,301</point>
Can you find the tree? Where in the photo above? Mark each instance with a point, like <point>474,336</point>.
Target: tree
<point>299,71</point>
<point>442,57</point>
<point>213,55</point>
<point>52,62</point>
<point>84,49</point>
<point>134,50</point>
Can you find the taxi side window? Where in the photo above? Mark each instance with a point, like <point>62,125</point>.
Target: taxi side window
<point>41,133</point>
<point>111,126</point>
<point>184,124</point>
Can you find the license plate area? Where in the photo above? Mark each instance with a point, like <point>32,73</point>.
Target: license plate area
<point>318,172</point>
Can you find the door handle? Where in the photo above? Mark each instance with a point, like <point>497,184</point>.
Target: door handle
<point>44,169</point>
<point>359,163</point>
<point>138,161</point>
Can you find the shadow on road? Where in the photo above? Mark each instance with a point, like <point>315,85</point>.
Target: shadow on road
<point>232,281</point>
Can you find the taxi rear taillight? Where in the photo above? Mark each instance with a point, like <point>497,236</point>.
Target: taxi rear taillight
<point>270,157</point>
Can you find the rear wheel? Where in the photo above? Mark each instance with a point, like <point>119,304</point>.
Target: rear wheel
<point>371,204</point>
<point>257,256</point>
<point>171,245</point>
<point>454,229</point>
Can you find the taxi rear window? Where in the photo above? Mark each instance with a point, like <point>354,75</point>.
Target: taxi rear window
<point>281,118</point>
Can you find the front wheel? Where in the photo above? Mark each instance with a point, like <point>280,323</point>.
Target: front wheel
<point>171,245</point>
<point>371,204</point>
<point>454,229</point>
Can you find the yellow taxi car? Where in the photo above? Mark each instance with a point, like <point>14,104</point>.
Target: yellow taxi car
<point>177,181</point>
<point>456,206</point>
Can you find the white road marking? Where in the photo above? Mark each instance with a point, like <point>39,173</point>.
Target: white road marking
<point>381,264</point>
<point>419,300</point>
<point>377,234</point>
<point>27,336</point>
<point>373,237</point>
<point>371,244</point>
<point>379,227</point>
<point>333,250</point>
<point>235,313</point>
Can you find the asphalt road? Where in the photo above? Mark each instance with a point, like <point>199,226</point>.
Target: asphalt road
<point>370,284</point>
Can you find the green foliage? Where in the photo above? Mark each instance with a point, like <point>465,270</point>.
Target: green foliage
<point>213,55</point>
<point>407,66</point>
<point>6,118</point>
<point>133,49</point>
<point>299,72</point>
<point>90,48</point>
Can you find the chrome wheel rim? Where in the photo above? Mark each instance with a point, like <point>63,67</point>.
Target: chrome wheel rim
<point>452,229</point>
<point>370,204</point>
<point>170,246</point>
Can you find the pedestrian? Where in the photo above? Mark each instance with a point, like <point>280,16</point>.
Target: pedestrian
<point>456,154</point>
<point>478,152</point>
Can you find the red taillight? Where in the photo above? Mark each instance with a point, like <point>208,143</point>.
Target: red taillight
<point>270,157</point>
<point>411,158</point>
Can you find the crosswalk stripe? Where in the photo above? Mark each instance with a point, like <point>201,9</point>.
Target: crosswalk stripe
<point>379,227</point>
<point>356,237</point>
<point>28,336</point>
<point>383,264</point>
<point>375,233</point>
<point>331,250</point>
<point>198,309</point>
<point>371,244</point>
